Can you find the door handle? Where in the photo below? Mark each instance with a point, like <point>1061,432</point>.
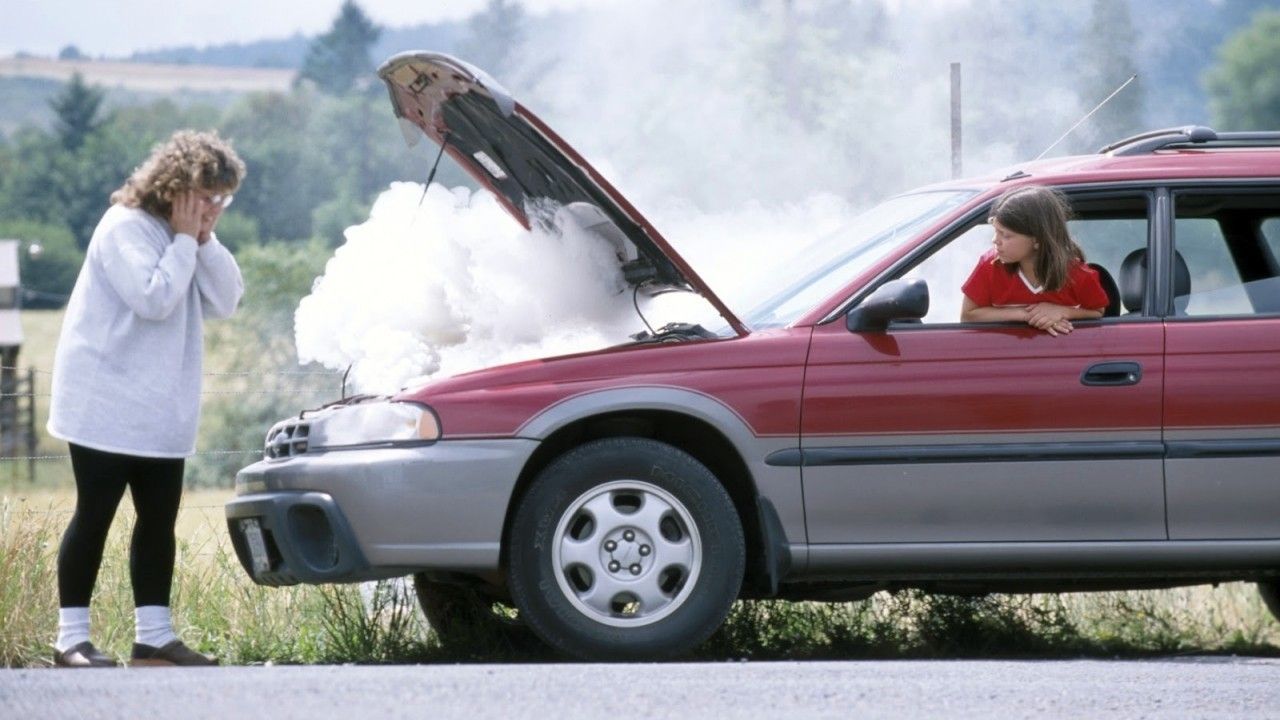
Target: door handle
<point>1112,374</point>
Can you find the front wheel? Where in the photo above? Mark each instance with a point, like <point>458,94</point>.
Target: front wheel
<point>625,549</point>
<point>1271,596</point>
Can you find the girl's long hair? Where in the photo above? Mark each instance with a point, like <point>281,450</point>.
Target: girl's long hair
<point>1041,213</point>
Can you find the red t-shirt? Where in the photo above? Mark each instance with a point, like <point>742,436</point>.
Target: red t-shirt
<point>991,285</point>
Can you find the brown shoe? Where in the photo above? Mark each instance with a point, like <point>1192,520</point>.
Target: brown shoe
<point>84,655</point>
<point>175,653</point>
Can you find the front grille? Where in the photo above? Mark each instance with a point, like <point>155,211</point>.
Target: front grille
<point>287,439</point>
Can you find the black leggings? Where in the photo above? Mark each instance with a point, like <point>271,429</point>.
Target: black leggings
<point>101,477</point>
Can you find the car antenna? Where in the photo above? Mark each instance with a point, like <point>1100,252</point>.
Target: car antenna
<point>344,381</point>
<point>1089,114</point>
<point>444,140</point>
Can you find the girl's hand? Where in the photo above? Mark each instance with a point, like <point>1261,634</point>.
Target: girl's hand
<point>185,215</point>
<point>1050,318</point>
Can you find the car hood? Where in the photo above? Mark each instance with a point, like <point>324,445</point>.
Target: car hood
<point>509,151</point>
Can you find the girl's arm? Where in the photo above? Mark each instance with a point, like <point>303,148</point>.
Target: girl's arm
<point>970,311</point>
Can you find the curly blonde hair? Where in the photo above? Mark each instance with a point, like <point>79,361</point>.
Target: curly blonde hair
<point>188,160</point>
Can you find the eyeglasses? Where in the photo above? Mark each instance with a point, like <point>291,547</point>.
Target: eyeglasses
<point>223,200</point>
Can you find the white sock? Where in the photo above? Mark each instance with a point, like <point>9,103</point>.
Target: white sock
<point>153,626</point>
<point>73,627</point>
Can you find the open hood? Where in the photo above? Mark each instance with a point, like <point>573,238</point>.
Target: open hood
<point>508,150</point>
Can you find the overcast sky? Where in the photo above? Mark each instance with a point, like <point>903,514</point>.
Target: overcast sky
<point>120,27</point>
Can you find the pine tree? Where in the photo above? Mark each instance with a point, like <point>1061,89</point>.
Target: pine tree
<point>494,36</point>
<point>1244,86</point>
<point>338,59</point>
<point>77,108</point>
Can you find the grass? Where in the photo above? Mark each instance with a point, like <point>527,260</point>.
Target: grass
<point>218,609</point>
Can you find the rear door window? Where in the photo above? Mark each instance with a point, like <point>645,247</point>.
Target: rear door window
<point>1229,244</point>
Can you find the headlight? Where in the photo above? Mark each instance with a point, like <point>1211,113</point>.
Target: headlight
<point>372,423</point>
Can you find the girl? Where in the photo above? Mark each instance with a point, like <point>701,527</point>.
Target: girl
<point>1035,273</point>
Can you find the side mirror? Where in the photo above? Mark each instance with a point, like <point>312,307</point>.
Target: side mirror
<point>895,300</point>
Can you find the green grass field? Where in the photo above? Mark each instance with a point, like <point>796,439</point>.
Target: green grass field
<point>219,610</point>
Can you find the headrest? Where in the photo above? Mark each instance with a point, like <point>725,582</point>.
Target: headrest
<point>1133,278</point>
<point>1110,288</point>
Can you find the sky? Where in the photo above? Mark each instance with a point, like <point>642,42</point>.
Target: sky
<point>121,27</point>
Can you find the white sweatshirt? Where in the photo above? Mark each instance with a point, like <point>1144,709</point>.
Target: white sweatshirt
<point>126,376</point>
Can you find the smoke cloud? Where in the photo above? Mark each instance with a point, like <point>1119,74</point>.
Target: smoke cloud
<point>455,284</point>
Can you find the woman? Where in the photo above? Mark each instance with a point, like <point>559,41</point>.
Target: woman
<point>126,381</point>
<point>1035,273</point>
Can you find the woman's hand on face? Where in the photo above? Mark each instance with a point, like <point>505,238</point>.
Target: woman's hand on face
<point>185,218</point>
<point>208,220</point>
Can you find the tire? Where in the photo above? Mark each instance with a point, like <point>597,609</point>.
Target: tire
<point>625,549</point>
<point>465,620</point>
<point>1270,591</point>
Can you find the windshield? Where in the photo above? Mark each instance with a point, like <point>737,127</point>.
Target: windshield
<point>827,264</point>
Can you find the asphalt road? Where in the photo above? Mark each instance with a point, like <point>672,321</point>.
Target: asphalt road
<point>1172,687</point>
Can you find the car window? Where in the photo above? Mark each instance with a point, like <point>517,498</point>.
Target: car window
<point>822,267</point>
<point>1216,287</point>
<point>1229,244</point>
<point>947,269</point>
<point>1107,230</point>
<point>1271,234</point>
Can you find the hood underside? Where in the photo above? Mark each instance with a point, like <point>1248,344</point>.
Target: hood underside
<point>538,177</point>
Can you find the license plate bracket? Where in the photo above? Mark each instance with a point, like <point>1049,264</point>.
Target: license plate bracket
<point>257,545</point>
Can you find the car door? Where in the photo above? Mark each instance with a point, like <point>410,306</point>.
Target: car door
<point>949,432</point>
<point>1222,394</point>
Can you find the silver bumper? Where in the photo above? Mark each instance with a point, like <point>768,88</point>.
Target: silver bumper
<point>388,511</point>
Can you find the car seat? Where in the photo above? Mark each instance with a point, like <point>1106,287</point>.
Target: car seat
<point>1110,288</point>
<point>1133,279</point>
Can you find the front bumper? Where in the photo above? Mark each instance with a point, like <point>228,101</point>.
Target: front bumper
<point>352,515</point>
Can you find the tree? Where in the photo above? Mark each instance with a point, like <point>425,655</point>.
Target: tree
<point>1107,60</point>
<point>340,57</point>
<point>1244,87</point>
<point>77,108</point>
<point>70,52</point>
<point>494,36</point>
<point>287,178</point>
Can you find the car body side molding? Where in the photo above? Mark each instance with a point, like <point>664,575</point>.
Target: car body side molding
<point>975,452</point>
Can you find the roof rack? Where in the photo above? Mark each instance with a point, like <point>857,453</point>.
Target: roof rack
<point>1189,136</point>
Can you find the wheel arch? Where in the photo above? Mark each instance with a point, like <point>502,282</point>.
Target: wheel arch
<point>692,422</point>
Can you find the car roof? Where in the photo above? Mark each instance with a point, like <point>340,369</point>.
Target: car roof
<point>1174,164</point>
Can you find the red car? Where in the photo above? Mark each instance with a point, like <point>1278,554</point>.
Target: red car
<point>847,435</point>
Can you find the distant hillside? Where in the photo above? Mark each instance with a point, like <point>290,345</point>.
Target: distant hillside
<point>289,52</point>
<point>279,53</point>
<point>27,85</point>
<point>150,77</point>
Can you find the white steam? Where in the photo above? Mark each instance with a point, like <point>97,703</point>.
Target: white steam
<point>454,285</point>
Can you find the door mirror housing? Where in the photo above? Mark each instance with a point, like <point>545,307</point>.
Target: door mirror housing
<point>900,299</point>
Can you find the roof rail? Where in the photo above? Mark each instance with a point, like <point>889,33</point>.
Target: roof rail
<point>1189,136</point>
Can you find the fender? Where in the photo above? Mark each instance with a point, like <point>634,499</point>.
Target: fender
<point>780,486</point>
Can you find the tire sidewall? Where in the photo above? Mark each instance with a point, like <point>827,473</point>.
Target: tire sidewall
<point>533,577</point>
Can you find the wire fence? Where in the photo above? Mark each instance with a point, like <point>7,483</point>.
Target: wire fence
<point>23,391</point>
